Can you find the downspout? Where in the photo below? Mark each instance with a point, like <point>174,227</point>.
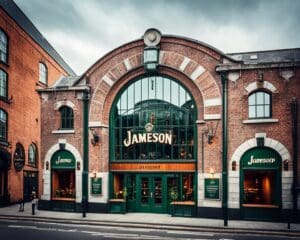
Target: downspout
<point>224,147</point>
<point>294,112</point>
<point>85,172</point>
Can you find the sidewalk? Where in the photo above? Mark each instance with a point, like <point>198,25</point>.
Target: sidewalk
<point>144,219</point>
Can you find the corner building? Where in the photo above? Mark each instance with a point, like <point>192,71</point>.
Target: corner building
<point>27,63</point>
<point>158,133</point>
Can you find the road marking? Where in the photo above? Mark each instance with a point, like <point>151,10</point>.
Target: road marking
<point>191,233</point>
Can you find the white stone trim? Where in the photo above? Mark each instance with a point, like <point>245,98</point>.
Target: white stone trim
<point>234,176</point>
<point>234,76</point>
<point>202,202</point>
<point>267,85</point>
<point>198,71</point>
<point>63,131</point>
<point>47,173</point>
<point>108,80</point>
<point>260,135</point>
<point>97,125</point>
<point>184,63</point>
<point>212,116</point>
<point>261,120</point>
<point>127,64</point>
<point>212,102</point>
<point>67,103</point>
<point>103,198</point>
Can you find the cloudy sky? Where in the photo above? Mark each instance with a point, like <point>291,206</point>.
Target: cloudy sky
<point>82,31</point>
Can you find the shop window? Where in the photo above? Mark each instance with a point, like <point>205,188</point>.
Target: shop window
<point>43,77</point>
<point>66,117</point>
<point>118,186</point>
<point>3,84</point>
<point>63,184</point>
<point>32,155</point>
<point>157,107</point>
<point>3,125</point>
<point>3,46</point>
<point>259,105</point>
<point>259,187</point>
<point>187,183</point>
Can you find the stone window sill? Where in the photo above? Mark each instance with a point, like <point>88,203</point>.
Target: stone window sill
<point>70,131</point>
<point>260,120</point>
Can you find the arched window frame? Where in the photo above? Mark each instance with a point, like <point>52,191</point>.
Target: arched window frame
<point>3,47</point>
<point>254,105</point>
<point>32,155</point>
<point>66,118</point>
<point>3,84</point>
<point>43,73</point>
<point>3,125</point>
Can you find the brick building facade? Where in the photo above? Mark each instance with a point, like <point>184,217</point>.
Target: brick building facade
<point>28,62</point>
<point>232,151</point>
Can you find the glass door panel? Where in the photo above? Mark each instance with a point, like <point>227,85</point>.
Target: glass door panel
<point>145,190</point>
<point>158,197</point>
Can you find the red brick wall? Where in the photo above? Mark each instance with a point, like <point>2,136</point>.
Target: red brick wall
<point>24,118</point>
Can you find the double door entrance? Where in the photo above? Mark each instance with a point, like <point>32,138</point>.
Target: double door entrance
<point>153,192</point>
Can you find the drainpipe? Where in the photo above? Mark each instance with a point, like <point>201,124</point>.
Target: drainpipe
<point>85,172</point>
<point>294,111</point>
<point>224,148</point>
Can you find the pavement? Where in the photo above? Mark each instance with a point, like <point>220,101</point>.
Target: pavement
<point>142,220</point>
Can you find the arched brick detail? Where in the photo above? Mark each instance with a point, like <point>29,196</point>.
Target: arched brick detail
<point>266,85</point>
<point>115,66</point>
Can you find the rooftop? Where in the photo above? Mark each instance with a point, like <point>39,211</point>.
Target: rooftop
<point>23,21</point>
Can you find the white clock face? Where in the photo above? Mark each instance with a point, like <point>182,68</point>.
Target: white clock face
<point>149,127</point>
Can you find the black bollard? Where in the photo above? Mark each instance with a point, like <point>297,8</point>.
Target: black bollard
<point>33,208</point>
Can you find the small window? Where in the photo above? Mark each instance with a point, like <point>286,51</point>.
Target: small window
<point>259,105</point>
<point>43,73</point>
<point>32,155</point>
<point>3,46</point>
<point>3,125</point>
<point>67,118</point>
<point>3,84</point>
<point>19,157</point>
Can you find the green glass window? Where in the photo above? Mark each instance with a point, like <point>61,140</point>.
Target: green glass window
<point>3,46</point>
<point>259,105</point>
<point>67,118</point>
<point>153,118</point>
<point>3,125</point>
<point>3,84</point>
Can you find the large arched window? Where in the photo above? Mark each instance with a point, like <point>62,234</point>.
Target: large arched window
<point>43,78</point>
<point>3,125</point>
<point>19,157</point>
<point>153,118</point>
<point>67,118</point>
<point>3,84</point>
<point>259,105</point>
<point>3,46</point>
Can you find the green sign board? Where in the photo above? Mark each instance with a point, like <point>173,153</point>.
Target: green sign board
<point>63,160</point>
<point>261,157</point>
<point>212,188</point>
<point>96,186</point>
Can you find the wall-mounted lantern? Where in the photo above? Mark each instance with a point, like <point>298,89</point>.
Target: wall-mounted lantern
<point>152,38</point>
<point>95,137</point>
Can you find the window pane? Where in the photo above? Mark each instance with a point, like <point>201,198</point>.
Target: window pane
<point>260,97</point>
<point>260,111</point>
<point>252,99</point>
<point>3,46</point>
<point>252,112</point>
<point>267,111</point>
<point>267,98</point>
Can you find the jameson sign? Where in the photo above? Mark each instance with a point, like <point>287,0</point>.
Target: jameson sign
<point>63,160</point>
<point>261,157</point>
<point>212,188</point>
<point>148,137</point>
<point>164,138</point>
<point>96,185</point>
<point>261,160</point>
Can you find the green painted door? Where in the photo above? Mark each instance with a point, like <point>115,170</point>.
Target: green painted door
<point>151,193</point>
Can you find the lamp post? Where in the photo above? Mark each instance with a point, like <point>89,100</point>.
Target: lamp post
<point>85,171</point>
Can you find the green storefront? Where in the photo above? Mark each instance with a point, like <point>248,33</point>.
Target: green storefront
<point>260,185</point>
<point>152,148</point>
<point>63,182</point>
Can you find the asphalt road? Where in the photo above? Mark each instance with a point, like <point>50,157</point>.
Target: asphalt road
<point>23,230</point>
